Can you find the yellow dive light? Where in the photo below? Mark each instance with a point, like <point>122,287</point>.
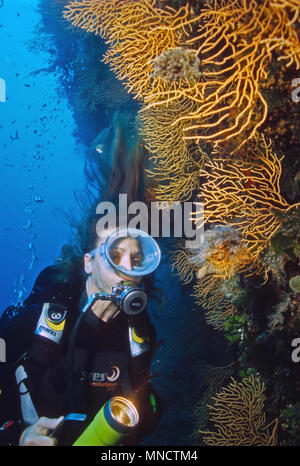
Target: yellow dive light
<point>116,419</point>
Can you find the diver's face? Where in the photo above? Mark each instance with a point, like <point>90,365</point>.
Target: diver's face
<point>126,253</point>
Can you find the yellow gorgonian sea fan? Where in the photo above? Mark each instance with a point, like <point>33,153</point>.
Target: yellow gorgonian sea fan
<point>238,416</point>
<point>180,262</point>
<point>163,140</point>
<point>292,5</point>
<point>209,380</point>
<point>223,55</point>
<point>246,194</point>
<point>176,162</point>
<point>221,254</point>
<point>235,43</point>
<point>137,32</point>
<point>210,296</point>
<point>208,289</point>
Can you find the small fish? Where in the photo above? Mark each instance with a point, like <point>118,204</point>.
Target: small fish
<point>38,199</point>
<point>27,85</point>
<point>99,148</point>
<point>13,138</point>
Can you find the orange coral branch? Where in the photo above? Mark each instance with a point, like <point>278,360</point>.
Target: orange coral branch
<point>293,5</point>
<point>235,43</point>
<point>210,296</point>
<point>136,32</point>
<point>176,162</point>
<point>180,262</point>
<point>228,197</point>
<point>208,290</point>
<point>238,416</point>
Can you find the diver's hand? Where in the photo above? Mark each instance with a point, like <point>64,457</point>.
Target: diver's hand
<point>37,434</point>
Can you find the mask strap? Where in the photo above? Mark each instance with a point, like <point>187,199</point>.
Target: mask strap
<point>99,249</point>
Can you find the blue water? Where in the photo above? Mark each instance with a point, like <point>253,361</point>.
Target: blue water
<point>41,163</point>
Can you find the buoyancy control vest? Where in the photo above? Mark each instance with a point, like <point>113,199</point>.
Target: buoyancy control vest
<point>108,359</point>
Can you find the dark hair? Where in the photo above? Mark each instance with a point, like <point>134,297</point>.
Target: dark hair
<point>70,263</point>
<point>118,169</point>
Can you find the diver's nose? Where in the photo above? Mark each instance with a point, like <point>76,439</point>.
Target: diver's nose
<point>126,262</point>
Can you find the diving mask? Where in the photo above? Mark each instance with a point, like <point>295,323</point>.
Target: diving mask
<point>135,258</point>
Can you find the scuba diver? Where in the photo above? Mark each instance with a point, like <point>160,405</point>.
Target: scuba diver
<point>75,344</point>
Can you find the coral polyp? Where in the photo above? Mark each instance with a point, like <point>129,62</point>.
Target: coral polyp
<point>222,252</point>
<point>177,65</point>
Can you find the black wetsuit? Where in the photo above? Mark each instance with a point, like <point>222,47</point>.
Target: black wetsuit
<point>102,362</point>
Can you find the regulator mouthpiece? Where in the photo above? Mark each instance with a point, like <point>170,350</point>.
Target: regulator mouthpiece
<point>130,298</point>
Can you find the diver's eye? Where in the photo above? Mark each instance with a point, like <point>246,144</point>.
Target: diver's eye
<point>115,256</point>
<point>120,256</point>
